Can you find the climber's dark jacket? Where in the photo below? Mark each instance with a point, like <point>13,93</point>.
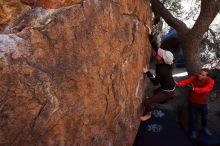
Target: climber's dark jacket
<point>163,77</point>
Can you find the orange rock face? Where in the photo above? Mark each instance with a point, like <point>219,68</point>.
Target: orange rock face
<point>73,75</point>
<point>9,10</point>
<point>56,3</point>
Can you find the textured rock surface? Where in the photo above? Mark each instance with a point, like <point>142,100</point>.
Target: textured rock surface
<point>73,75</point>
<point>10,10</point>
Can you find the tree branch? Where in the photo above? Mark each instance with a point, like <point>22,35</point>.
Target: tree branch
<point>212,33</point>
<point>159,8</point>
<point>218,5</point>
<point>207,14</point>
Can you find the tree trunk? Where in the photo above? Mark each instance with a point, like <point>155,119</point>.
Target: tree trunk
<point>191,54</point>
<point>191,41</point>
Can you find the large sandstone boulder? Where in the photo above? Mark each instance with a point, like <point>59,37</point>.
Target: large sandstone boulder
<point>73,75</point>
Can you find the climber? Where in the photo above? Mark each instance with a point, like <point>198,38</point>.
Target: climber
<point>200,86</point>
<point>164,67</point>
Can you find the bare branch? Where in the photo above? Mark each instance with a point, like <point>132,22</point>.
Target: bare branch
<point>212,32</point>
<point>159,8</point>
